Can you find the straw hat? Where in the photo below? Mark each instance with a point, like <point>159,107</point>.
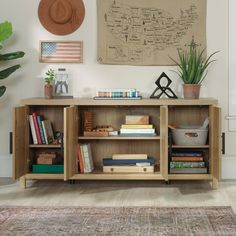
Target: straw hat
<point>61,17</point>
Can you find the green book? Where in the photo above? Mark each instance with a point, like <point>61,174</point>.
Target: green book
<point>181,164</point>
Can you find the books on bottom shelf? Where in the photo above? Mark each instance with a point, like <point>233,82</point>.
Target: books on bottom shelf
<point>119,162</point>
<point>128,169</point>
<point>85,160</point>
<point>188,170</point>
<point>129,156</point>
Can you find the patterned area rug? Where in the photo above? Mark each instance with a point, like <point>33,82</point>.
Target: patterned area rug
<point>142,221</point>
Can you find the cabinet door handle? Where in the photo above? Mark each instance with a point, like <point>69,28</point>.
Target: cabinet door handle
<point>223,143</point>
<point>10,142</point>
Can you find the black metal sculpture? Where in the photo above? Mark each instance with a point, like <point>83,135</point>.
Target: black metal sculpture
<point>163,89</point>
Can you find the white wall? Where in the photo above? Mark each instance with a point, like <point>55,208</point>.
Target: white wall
<point>90,75</point>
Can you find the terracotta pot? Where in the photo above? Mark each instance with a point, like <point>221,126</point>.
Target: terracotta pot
<point>191,91</point>
<point>48,90</point>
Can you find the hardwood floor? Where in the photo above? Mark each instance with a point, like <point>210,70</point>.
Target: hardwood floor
<point>117,193</point>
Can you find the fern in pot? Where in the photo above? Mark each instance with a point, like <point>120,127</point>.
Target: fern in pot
<point>192,69</point>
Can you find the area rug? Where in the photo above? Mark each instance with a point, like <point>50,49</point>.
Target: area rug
<point>138,221</point>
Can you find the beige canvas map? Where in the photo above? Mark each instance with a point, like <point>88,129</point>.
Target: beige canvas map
<point>138,32</point>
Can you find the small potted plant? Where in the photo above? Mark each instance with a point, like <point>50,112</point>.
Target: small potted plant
<point>192,69</point>
<point>48,87</point>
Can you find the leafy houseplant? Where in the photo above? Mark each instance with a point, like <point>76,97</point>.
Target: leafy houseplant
<point>5,33</point>
<point>48,88</point>
<point>192,69</point>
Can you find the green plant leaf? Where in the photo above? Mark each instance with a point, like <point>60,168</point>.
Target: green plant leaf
<point>2,90</point>
<point>6,72</point>
<point>5,31</point>
<point>11,56</point>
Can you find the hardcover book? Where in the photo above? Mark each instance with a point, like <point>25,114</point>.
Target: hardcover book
<point>110,161</point>
<point>48,131</point>
<point>129,156</point>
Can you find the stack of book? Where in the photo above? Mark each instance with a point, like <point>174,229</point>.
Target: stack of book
<point>137,125</point>
<point>118,93</point>
<point>128,163</point>
<point>85,159</point>
<point>187,162</point>
<point>41,130</point>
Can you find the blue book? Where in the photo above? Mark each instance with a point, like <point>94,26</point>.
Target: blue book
<point>110,161</point>
<point>39,120</point>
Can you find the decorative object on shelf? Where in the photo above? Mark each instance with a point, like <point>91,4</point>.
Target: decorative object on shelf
<point>48,87</point>
<point>192,69</point>
<point>5,33</point>
<point>99,131</point>
<point>163,89</point>
<point>61,17</point>
<point>87,121</point>
<point>47,158</point>
<point>118,93</point>
<point>61,86</point>
<point>61,52</point>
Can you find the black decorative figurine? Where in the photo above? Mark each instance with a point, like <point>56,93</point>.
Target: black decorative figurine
<point>164,89</point>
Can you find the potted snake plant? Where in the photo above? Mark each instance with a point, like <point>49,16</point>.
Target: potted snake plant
<point>192,69</point>
<point>5,33</point>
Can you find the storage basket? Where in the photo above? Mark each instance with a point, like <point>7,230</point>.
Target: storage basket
<point>190,136</point>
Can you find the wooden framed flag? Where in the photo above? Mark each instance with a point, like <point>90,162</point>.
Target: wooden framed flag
<point>61,52</point>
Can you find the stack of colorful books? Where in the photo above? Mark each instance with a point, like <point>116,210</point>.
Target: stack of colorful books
<point>188,162</point>
<point>118,93</point>
<point>137,125</point>
<point>128,163</point>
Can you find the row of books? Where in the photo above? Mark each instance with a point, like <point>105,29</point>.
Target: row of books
<point>41,129</point>
<point>128,163</point>
<point>85,159</point>
<point>187,162</point>
<point>117,93</point>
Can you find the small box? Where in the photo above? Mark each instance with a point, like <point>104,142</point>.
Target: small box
<point>46,158</point>
<point>136,120</point>
<point>190,136</point>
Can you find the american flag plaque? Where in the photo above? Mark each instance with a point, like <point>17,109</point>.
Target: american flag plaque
<point>61,52</point>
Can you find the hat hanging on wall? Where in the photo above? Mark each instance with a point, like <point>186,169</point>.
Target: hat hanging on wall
<point>61,17</point>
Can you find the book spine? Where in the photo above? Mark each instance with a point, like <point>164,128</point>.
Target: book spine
<point>39,121</point>
<point>90,157</point>
<point>187,158</point>
<point>128,169</point>
<point>110,162</point>
<point>135,131</point>
<point>80,159</point>
<point>87,167</point>
<point>187,164</point>
<point>129,156</point>
<point>33,131</point>
<point>182,154</point>
<point>188,171</point>
<point>45,132</point>
<point>137,126</point>
<point>36,128</point>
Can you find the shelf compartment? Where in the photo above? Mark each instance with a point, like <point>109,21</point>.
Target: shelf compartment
<point>120,138</point>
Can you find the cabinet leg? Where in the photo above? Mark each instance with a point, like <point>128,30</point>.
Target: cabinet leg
<point>168,182</point>
<point>215,183</point>
<point>22,182</point>
<point>72,181</point>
